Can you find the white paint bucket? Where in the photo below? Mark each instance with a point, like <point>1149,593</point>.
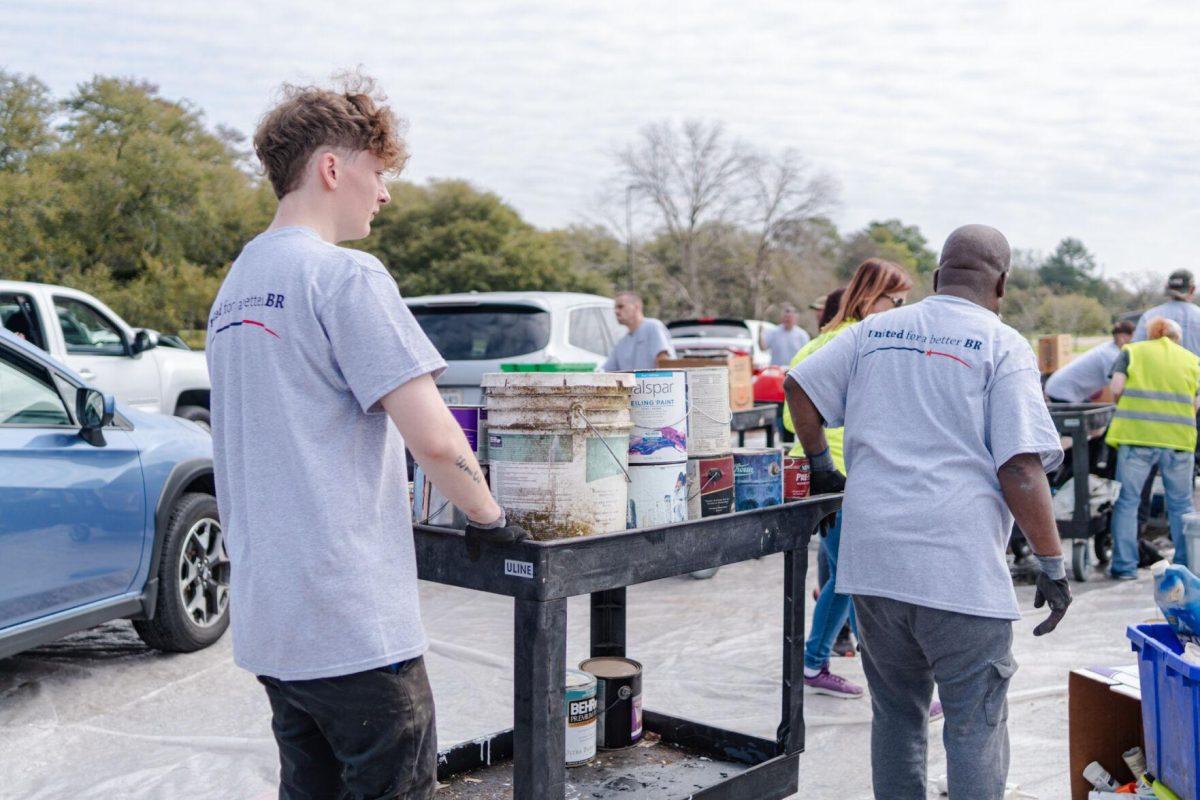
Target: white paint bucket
<point>708,411</point>
<point>659,411</point>
<point>557,449</point>
<point>657,494</point>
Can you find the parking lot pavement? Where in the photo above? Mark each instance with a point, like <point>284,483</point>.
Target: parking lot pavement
<point>98,715</point>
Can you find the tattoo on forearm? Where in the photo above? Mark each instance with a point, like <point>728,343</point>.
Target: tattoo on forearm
<point>462,464</point>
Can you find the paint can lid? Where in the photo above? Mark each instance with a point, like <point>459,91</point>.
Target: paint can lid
<point>577,678</point>
<point>611,667</point>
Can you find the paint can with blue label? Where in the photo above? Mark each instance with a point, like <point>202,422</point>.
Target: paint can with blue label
<point>618,700</point>
<point>757,478</point>
<point>581,717</point>
<point>658,409</point>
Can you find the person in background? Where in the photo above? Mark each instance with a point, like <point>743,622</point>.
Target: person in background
<point>646,342</point>
<point>1155,385</point>
<point>320,378</point>
<point>1181,289</point>
<point>877,286</point>
<point>947,440</point>
<point>1085,376</point>
<point>784,341</point>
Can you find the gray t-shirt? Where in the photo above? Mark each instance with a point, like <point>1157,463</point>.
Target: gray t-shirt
<point>1185,313</point>
<point>935,398</point>
<point>304,339</point>
<point>1084,376</point>
<point>784,344</point>
<point>639,349</point>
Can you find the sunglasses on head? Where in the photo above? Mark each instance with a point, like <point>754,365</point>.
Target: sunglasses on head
<point>896,301</point>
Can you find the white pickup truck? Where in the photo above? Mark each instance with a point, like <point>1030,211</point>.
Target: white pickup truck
<point>137,365</point>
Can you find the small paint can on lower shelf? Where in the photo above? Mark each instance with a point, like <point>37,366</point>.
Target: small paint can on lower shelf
<point>618,700</point>
<point>581,717</point>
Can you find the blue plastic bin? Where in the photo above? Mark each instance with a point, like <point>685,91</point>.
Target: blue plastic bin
<point>1170,708</point>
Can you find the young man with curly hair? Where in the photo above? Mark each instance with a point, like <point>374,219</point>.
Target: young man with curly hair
<point>321,376</point>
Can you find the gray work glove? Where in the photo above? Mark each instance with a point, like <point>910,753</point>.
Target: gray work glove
<point>1052,588</point>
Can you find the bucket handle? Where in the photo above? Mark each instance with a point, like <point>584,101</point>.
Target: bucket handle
<point>690,409</point>
<point>577,408</point>
<point>700,489</point>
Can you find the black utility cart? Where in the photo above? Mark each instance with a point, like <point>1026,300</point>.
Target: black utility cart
<point>1085,424</point>
<point>753,419</point>
<point>691,759</point>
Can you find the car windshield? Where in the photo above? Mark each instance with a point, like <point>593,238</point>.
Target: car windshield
<point>715,330</point>
<point>484,332</point>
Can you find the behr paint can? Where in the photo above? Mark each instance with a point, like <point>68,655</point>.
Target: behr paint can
<point>658,409</point>
<point>581,717</point>
<point>710,486</point>
<point>797,477</point>
<point>757,478</point>
<point>618,700</point>
<point>657,494</point>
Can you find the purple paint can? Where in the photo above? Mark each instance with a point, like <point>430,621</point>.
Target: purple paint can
<point>473,421</point>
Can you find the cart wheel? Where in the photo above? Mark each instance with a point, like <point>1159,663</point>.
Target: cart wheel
<point>704,574</point>
<point>1103,546</point>
<point>1079,559</point>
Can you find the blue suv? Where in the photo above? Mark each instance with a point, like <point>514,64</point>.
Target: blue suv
<point>105,513</point>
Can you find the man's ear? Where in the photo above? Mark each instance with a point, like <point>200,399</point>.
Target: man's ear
<point>328,169</point>
<point>1000,284</point>
<point>936,272</point>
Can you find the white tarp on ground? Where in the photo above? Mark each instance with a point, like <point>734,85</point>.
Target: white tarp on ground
<point>100,716</point>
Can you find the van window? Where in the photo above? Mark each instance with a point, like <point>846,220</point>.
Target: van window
<point>484,332</point>
<point>19,316</point>
<point>587,329</point>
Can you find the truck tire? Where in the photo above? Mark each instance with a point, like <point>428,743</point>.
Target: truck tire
<point>193,580</point>
<point>197,414</point>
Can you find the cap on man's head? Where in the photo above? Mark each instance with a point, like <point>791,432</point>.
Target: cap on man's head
<point>819,303</point>
<point>1180,283</point>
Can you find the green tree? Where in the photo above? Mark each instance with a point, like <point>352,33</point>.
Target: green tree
<point>451,237</point>
<point>1072,313</point>
<point>26,110</point>
<point>893,241</point>
<point>1071,268</point>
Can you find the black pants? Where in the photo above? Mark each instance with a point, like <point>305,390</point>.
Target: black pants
<point>366,736</point>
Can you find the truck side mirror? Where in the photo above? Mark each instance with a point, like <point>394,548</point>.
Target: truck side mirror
<point>145,339</point>
<point>94,412</point>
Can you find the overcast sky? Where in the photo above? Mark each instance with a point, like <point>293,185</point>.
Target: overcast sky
<point>1045,119</point>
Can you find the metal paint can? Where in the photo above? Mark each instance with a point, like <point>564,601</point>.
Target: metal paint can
<point>473,421</point>
<point>618,700</point>
<point>658,409</point>
<point>658,494</point>
<point>757,478</point>
<point>710,486</point>
<point>581,717</point>
<point>797,477</point>
<point>708,411</point>
<point>431,507</point>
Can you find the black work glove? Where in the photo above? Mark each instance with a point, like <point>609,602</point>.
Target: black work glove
<point>826,482</point>
<point>499,532</point>
<point>1053,590</point>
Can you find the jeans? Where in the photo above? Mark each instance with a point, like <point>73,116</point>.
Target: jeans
<point>1133,466</point>
<point>832,609</point>
<point>906,649</point>
<point>365,736</point>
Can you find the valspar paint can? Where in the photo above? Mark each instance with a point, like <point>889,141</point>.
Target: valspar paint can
<point>581,717</point>
<point>757,478</point>
<point>708,411</point>
<point>618,700</point>
<point>658,494</point>
<point>473,421</point>
<point>797,476</point>
<point>659,411</point>
<point>710,486</point>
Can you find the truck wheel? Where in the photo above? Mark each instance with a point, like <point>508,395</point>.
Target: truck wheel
<point>197,414</point>
<point>193,580</point>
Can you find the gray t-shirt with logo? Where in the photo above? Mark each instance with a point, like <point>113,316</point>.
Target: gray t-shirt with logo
<point>304,339</point>
<point>935,398</point>
<point>639,349</point>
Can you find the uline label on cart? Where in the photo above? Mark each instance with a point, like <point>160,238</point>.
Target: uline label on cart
<point>518,569</point>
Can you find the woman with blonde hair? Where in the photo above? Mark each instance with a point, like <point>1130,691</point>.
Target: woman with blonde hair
<point>877,286</point>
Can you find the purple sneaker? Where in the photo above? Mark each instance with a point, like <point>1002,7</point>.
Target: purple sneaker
<point>935,711</point>
<point>825,682</point>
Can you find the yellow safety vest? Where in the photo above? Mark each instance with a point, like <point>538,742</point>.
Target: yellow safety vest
<point>1157,407</point>
<point>832,435</point>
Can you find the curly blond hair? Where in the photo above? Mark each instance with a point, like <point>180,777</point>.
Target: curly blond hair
<point>352,118</point>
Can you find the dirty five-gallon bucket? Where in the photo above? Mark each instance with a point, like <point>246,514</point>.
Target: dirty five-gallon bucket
<point>557,449</point>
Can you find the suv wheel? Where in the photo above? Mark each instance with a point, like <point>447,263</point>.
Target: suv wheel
<point>197,414</point>
<point>193,580</point>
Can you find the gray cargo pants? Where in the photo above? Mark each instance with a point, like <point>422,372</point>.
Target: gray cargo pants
<point>906,648</point>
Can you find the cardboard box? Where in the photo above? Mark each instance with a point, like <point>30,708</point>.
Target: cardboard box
<point>1105,712</point>
<point>1055,351</point>
<point>741,375</point>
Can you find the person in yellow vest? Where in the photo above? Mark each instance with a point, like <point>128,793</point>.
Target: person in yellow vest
<point>1155,384</point>
<point>877,286</point>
